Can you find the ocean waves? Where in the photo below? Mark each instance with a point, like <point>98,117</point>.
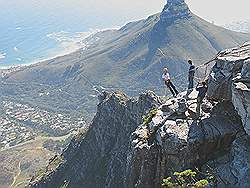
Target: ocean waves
<point>2,55</point>
<point>68,42</point>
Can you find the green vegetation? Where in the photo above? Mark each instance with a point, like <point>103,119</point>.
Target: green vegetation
<point>187,178</point>
<point>81,134</point>
<point>40,173</point>
<point>56,162</point>
<point>65,184</point>
<point>53,164</point>
<point>148,118</point>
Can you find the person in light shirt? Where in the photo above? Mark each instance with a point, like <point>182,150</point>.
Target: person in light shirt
<point>166,78</point>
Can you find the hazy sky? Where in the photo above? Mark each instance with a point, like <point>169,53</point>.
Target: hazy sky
<point>108,13</point>
<point>219,11</point>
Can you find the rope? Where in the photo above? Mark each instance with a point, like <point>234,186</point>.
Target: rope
<point>95,86</point>
<point>198,67</point>
<point>205,76</point>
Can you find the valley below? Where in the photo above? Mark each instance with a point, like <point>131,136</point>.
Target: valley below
<point>18,164</point>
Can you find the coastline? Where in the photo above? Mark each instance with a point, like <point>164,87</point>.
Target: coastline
<point>69,49</point>
<point>15,66</point>
<point>65,46</point>
<point>38,61</point>
<point>6,70</point>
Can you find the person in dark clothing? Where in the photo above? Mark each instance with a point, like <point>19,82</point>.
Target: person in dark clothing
<point>166,78</point>
<point>191,74</point>
<point>218,69</point>
<point>202,90</point>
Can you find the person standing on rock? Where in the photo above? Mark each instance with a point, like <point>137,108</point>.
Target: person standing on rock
<point>166,78</point>
<point>191,74</point>
<point>202,91</point>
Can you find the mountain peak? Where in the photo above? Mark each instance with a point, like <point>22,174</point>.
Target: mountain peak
<point>175,9</point>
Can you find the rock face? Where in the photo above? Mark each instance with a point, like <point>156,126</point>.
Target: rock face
<point>233,169</point>
<point>180,143</point>
<point>230,80</point>
<point>240,164</point>
<point>241,95</point>
<point>99,160</point>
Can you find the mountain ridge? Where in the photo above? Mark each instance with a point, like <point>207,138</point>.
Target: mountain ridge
<point>127,59</point>
<point>119,55</point>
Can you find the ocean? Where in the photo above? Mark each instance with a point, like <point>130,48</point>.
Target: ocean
<point>31,30</point>
<point>34,30</point>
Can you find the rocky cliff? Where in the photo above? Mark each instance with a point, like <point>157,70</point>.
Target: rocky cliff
<point>137,142</point>
<point>99,160</point>
<point>229,80</point>
<point>218,142</point>
<point>175,9</point>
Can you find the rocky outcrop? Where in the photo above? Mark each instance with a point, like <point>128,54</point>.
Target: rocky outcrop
<point>175,9</point>
<point>230,80</point>
<point>99,160</point>
<point>180,143</point>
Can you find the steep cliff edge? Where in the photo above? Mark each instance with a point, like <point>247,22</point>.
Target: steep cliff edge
<point>99,160</point>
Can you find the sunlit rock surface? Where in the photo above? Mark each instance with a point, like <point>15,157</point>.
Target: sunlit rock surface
<point>230,80</point>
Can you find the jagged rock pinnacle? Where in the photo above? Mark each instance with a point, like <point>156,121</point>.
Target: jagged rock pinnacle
<point>175,9</point>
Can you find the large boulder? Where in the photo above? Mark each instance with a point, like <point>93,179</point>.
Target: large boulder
<point>230,80</point>
<point>241,95</point>
<point>229,64</point>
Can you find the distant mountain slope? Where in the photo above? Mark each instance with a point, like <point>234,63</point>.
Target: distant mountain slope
<point>128,58</point>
